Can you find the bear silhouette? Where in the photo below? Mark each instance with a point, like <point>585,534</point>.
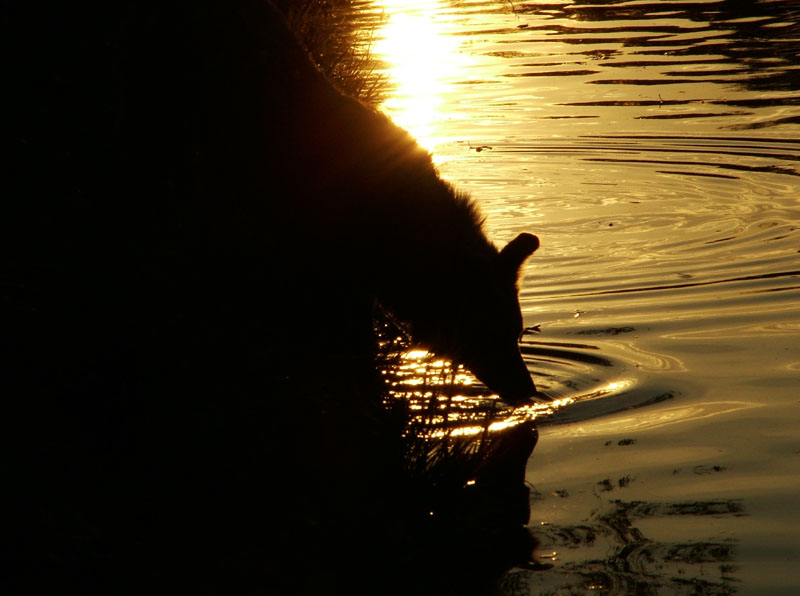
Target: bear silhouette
<point>199,228</point>
<point>164,141</point>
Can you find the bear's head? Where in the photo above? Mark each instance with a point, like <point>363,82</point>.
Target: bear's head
<point>477,321</point>
<point>490,345</point>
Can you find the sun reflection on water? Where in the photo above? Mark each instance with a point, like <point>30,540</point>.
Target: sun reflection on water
<point>420,54</point>
<point>447,400</point>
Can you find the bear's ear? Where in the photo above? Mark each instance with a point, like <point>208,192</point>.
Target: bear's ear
<point>520,248</point>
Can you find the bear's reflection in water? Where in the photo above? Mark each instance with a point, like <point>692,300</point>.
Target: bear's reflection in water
<point>194,201</point>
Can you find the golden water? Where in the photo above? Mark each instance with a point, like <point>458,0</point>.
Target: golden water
<point>654,147</point>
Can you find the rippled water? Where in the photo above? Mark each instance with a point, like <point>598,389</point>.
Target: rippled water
<point>654,147</point>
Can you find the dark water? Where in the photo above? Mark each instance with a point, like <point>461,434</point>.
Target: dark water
<point>654,147</point>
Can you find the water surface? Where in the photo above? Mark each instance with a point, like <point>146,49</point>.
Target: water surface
<point>654,147</point>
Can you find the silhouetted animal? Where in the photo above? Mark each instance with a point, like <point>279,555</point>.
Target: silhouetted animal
<point>189,135</point>
<point>198,226</point>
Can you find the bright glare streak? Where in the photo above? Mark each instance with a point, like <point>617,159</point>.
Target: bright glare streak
<point>421,56</point>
